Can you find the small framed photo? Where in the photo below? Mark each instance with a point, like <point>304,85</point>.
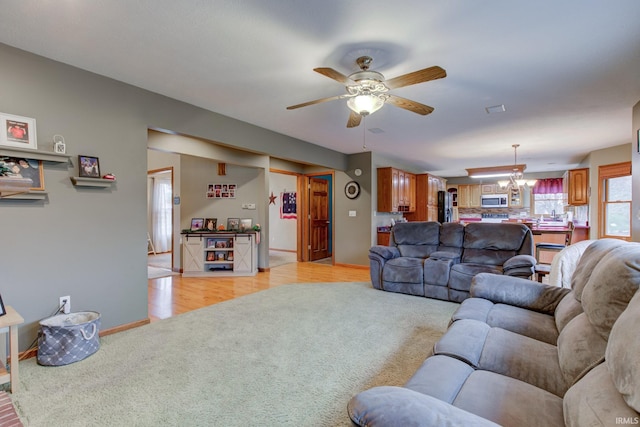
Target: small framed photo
<point>2,309</point>
<point>197,223</point>
<point>246,224</point>
<point>233,224</point>
<point>211,224</point>
<point>88,167</point>
<point>18,131</point>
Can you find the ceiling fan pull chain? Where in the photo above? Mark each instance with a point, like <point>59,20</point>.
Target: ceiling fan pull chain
<point>364,133</point>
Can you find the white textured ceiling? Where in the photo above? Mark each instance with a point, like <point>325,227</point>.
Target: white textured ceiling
<point>567,71</point>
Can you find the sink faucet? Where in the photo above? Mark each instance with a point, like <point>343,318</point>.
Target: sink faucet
<point>553,214</point>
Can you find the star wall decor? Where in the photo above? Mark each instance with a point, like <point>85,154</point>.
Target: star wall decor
<point>272,199</point>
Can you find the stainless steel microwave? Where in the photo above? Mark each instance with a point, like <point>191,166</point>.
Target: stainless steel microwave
<point>494,201</point>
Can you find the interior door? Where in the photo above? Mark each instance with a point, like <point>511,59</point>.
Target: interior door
<point>319,219</point>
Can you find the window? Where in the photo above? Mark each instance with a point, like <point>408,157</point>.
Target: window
<point>548,204</point>
<point>547,197</point>
<point>614,192</point>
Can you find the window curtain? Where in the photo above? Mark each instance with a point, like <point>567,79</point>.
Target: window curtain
<point>548,186</point>
<point>161,214</point>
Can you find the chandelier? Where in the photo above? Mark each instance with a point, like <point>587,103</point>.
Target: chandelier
<point>516,177</point>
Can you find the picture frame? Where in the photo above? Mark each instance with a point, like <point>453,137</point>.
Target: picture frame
<point>233,224</point>
<point>211,256</point>
<point>221,191</point>
<point>18,131</point>
<point>211,224</point>
<point>88,166</point>
<point>3,311</point>
<point>26,168</point>
<point>197,223</point>
<point>246,224</point>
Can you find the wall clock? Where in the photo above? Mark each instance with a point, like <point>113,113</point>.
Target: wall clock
<point>352,190</point>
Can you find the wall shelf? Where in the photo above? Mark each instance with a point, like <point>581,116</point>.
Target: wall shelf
<point>28,195</point>
<point>80,181</point>
<point>45,156</point>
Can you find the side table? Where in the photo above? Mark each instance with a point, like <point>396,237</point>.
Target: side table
<point>11,320</point>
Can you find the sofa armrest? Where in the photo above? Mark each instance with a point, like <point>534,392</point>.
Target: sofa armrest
<point>518,292</point>
<point>397,406</point>
<point>386,252</point>
<point>519,263</point>
<point>443,255</point>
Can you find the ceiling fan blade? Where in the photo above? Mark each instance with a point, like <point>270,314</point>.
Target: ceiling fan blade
<point>317,101</point>
<point>420,76</point>
<point>333,74</point>
<point>354,120</point>
<point>410,105</point>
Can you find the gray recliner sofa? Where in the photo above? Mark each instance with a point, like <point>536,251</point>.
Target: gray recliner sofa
<point>439,260</point>
<point>520,353</point>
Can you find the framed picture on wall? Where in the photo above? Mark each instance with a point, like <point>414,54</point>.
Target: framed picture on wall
<point>25,168</point>
<point>88,167</point>
<point>246,224</point>
<point>18,131</point>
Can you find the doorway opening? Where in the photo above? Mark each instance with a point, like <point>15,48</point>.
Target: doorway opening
<point>160,222</point>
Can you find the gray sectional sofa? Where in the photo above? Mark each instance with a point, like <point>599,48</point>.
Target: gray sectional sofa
<point>439,260</point>
<point>520,353</point>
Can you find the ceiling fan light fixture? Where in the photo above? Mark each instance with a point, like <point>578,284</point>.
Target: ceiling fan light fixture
<point>365,104</point>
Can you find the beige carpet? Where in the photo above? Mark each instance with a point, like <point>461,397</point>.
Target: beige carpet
<point>288,356</point>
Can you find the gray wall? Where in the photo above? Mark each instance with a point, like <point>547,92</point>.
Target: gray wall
<point>91,243</point>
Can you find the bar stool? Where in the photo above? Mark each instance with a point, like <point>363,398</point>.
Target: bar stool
<point>556,247</point>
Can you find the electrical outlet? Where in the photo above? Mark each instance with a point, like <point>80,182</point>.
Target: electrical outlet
<point>65,303</point>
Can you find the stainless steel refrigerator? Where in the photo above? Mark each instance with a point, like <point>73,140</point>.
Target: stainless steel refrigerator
<point>445,207</point>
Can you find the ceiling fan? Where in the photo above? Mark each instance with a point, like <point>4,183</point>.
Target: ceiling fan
<point>367,90</point>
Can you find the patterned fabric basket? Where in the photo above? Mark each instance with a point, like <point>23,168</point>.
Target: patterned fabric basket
<point>68,338</point>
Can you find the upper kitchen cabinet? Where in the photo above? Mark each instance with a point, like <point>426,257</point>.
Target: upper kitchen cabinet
<point>469,195</point>
<point>576,186</point>
<point>396,190</point>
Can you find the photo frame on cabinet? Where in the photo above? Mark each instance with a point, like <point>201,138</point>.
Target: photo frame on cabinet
<point>211,224</point>
<point>20,167</point>
<point>3,311</point>
<point>246,224</point>
<point>233,224</point>
<point>18,132</point>
<point>88,167</point>
<point>197,223</point>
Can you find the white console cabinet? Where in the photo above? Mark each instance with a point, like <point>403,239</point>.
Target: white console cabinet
<point>219,254</point>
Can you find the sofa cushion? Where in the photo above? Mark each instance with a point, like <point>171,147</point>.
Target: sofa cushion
<point>614,281</point>
<point>416,239</point>
<point>595,401</point>
<point>580,349</point>
<point>451,237</point>
<point>623,354</point>
<point>588,261</point>
<point>487,243</point>
<point>568,308</point>
<point>498,398</point>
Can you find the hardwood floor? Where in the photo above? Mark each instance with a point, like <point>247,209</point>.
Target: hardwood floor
<point>169,296</point>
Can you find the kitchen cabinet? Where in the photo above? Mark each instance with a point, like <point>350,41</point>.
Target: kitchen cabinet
<point>488,188</point>
<point>516,197</point>
<point>396,190</point>
<point>576,186</point>
<point>426,197</point>
<point>469,195</point>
